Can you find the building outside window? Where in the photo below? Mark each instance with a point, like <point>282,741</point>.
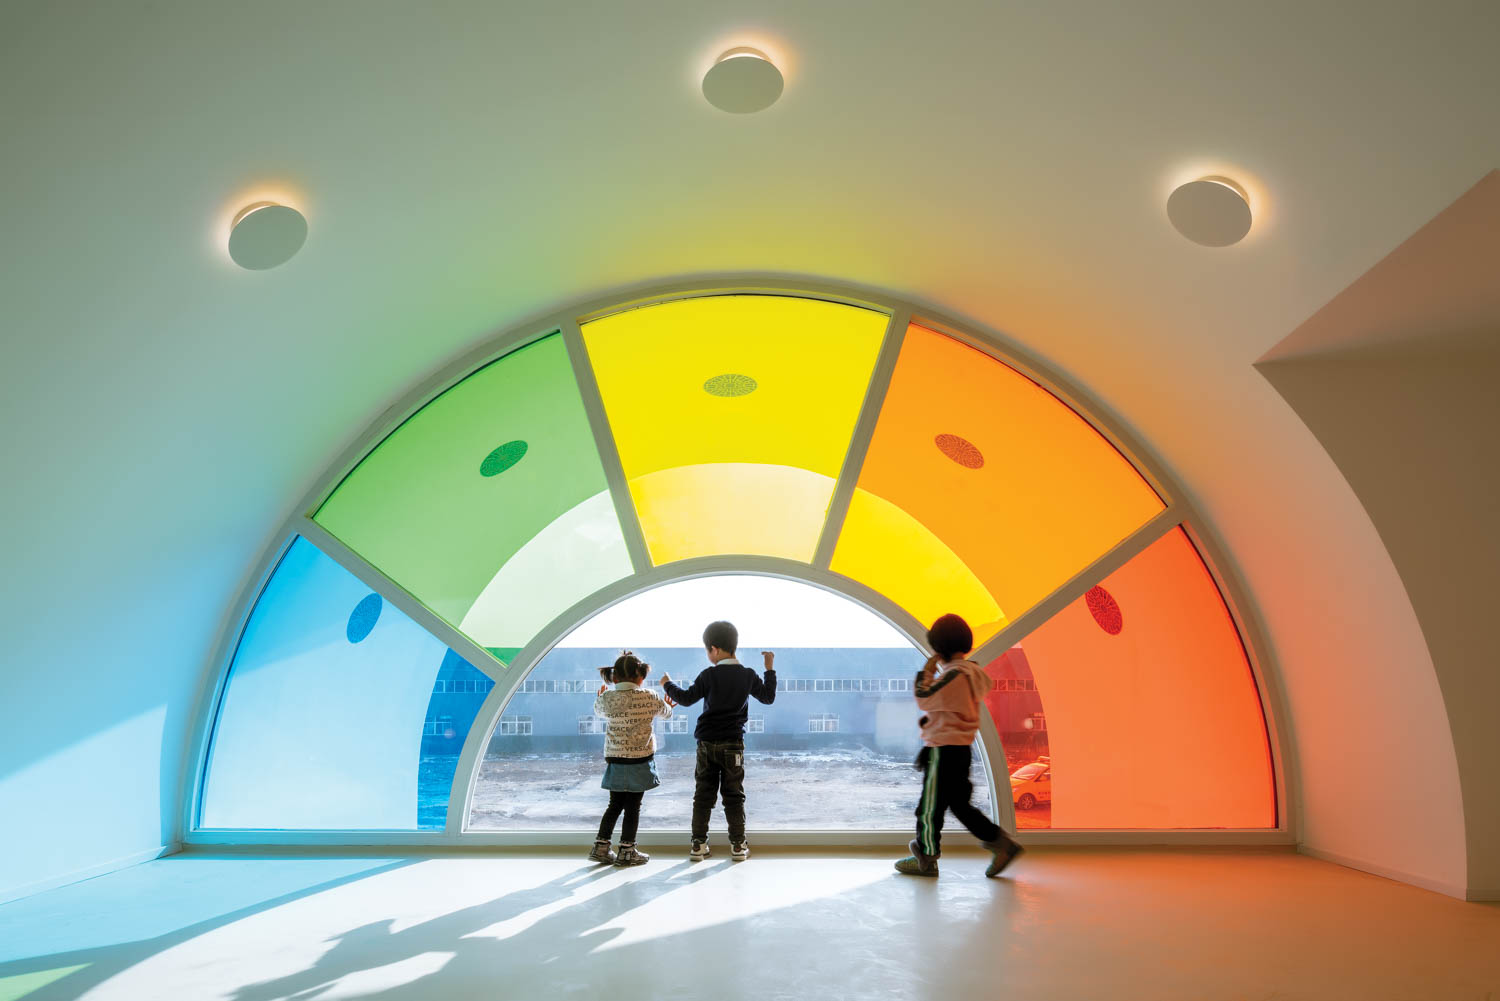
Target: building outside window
<point>842,718</point>
<point>515,726</point>
<point>823,723</point>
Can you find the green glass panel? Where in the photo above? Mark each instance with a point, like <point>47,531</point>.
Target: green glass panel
<point>489,505</point>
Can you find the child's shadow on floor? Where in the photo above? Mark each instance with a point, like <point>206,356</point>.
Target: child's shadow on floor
<point>566,934</point>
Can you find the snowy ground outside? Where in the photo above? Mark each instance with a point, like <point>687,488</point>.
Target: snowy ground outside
<point>855,789</point>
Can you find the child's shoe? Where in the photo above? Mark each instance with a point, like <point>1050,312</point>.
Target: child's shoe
<point>601,853</point>
<point>628,855</point>
<point>699,851</point>
<point>739,850</point>
<point>1005,848</point>
<point>917,864</point>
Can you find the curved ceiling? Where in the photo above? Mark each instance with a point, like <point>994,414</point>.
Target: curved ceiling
<point>463,170</point>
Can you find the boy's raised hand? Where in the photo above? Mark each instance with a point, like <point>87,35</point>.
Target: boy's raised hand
<point>769,656</point>
<point>603,688</point>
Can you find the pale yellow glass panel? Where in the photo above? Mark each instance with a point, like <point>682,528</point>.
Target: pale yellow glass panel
<point>918,571</point>
<point>732,507</point>
<point>717,383</point>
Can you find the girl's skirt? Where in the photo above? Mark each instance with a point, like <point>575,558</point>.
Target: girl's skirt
<point>637,776</point>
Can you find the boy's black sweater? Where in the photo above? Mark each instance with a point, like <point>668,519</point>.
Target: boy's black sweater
<point>727,687</point>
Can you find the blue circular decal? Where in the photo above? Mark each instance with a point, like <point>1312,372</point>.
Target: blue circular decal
<point>364,617</point>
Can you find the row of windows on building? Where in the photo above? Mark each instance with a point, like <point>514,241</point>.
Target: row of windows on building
<point>521,726</point>
<point>462,686</point>
<point>844,685</point>
<point>568,686</point>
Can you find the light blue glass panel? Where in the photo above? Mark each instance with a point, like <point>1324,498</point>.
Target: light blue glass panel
<point>331,715</point>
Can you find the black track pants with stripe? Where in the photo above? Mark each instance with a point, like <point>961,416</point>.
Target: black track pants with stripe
<point>946,786</point>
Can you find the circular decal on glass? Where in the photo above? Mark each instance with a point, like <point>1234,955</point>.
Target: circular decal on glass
<point>503,458</point>
<point>960,450</point>
<point>730,384</point>
<point>1105,610</point>
<point>362,620</point>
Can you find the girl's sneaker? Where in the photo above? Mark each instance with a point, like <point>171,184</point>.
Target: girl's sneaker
<point>699,851</point>
<point>627,855</point>
<point>601,853</point>
<point>739,850</point>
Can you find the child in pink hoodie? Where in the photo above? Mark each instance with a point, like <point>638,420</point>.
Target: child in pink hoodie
<point>950,690</point>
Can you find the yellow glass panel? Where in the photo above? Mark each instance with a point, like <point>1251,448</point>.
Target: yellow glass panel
<point>997,469</point>
<point>923,575</point>
<point>763,509</point>
<point>732,415</point>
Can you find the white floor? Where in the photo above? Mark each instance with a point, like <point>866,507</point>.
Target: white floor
<point>1074,924</point>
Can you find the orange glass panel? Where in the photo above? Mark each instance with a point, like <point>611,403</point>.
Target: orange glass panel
<point>1023,491</point>
<point>1152,717</point>
<point>1015,704</point>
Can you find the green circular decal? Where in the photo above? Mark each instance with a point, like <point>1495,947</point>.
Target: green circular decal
<point>503,458</point>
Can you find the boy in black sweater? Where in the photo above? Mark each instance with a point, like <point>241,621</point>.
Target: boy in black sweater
<point>727,687</point>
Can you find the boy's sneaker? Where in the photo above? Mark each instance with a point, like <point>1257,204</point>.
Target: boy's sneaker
<point>739,850</point>
<point>917,864</point>
<point>628,855</point>
<point>699,851</point>
<point>1005,849</point>
<point>601,853</point>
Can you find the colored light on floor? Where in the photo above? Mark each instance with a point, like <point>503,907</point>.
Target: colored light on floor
<point>1024,491</point>
<point>699,390</point>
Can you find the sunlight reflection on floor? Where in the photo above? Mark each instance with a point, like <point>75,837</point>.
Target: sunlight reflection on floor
<point>1064,924</point>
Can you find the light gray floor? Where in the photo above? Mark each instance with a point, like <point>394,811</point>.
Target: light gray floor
<point>1070,924</point>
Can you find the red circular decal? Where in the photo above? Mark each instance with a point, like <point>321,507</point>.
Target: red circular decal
<point>1105,610</point>
<point>960,450</point>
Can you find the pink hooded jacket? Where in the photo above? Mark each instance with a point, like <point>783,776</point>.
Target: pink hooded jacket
<point>950,698</point>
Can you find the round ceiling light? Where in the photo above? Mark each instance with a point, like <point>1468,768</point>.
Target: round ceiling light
<point>265,235</point>
<point>1212,211</point>
<point>743,81</point>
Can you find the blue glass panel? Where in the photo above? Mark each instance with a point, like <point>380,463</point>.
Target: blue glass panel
<point>336,713</point>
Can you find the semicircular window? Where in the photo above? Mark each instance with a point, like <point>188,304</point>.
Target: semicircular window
<point>765,433</point>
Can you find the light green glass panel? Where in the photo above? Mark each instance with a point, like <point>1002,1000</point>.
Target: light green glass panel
<point>489,504</point>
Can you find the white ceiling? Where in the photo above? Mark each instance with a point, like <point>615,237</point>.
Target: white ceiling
<point>466,164</point>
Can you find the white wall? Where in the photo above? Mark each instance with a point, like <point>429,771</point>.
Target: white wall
<point>1411,427</point>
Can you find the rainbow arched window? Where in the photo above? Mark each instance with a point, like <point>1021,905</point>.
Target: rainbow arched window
<point>907,466</point>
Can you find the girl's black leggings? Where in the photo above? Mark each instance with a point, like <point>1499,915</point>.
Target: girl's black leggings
<point>628,803</point>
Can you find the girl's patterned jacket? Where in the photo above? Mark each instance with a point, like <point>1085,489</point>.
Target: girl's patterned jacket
<point>629,708</point>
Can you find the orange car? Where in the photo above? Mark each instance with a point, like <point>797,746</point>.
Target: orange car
<point>1032,784</point>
